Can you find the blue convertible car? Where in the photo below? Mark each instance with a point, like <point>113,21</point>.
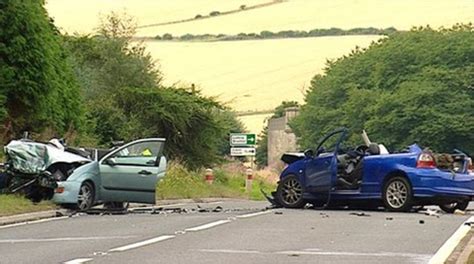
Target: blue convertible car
<point>370,175</point>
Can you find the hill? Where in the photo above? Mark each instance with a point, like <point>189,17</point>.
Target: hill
<point>256,75</point>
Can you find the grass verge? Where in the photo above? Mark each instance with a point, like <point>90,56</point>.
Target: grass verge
<point>180,183</point>
<point>14,204</point>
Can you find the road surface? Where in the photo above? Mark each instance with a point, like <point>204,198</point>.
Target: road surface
<point>236,232</point>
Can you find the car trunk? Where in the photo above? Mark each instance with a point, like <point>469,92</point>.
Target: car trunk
<point>457,162</point>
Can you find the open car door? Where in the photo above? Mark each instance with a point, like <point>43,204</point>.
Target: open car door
<point>321,170</point>
<point>130,173</point>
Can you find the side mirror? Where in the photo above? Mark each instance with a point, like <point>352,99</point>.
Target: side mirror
<point>110,162</point>
<point>320,150</point>
<point>308,153</point>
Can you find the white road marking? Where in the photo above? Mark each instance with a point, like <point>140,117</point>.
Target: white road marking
<point>56,239</point>
<point>447,248</point>
<point>355,254</point>
<point>254,214</point>
<point>207,226</point>
<point>34,222</point>
<point>142,243</point>
<point>231,251</point>
<point>78,261</point>
<point>422,258</point>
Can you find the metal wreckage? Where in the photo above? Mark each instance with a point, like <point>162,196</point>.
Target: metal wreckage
<point>81,178</point>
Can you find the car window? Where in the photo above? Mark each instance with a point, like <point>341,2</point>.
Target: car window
<point>142,154</point>
<point>330,143</point>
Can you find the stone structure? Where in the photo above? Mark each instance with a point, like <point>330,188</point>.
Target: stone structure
<point>280,137</point>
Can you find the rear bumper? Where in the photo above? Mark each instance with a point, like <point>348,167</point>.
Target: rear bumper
<point>69,194</point>
<point>437,183</point>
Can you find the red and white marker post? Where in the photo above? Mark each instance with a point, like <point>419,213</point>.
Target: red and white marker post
<point>248,180</point>
<point>209,176</point>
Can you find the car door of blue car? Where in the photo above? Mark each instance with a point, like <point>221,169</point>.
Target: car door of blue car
<point>321,170</point>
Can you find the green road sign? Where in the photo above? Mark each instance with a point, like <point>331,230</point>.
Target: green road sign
<point>243,139</point>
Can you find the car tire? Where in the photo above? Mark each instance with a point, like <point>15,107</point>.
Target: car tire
<point>86,197</point>
<point>451,207</point>
<point>290,192</point>
<point>397,195</point>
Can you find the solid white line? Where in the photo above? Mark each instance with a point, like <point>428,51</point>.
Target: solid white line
<point>207,226</point>
<point>56,239</point>
<point>78,261</point>
<point>447,248</point>
<point>141,244</point>
<point>254,214</point>
<point>230,251</point>
<point>34,222</point>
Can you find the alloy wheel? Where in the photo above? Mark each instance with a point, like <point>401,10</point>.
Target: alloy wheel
<point>397,194</point>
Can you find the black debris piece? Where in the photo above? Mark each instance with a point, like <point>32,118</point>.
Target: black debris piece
<point>279,213</point>
<point>360,214</point>
<point>421,221</point>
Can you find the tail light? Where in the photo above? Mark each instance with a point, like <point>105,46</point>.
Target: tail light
<point>426,161</point>
<point>470,168</point>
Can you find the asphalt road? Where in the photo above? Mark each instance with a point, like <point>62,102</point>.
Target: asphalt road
<point>224,236</point>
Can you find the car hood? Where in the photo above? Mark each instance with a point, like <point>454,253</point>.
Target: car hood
<point>33,157</point>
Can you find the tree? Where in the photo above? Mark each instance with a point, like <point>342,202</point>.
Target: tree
<point>409,87</point>
<point>37,85</point>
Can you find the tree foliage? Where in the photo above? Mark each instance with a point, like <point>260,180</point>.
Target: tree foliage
<point>37,86</point>
<point>125,99</point>
<point>415,86</point>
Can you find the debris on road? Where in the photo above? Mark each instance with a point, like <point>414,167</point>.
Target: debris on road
<point>360,214</point>
<point>430,212</point>
<point>389,218</point>
<point>421,221</point>
<point>279,213</point>
<point>459,212</point>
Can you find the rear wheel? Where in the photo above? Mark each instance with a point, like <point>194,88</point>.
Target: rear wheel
<point>451,207</point>
<point>85,199</point>
<point>397,195</point>
<point>290,192</point>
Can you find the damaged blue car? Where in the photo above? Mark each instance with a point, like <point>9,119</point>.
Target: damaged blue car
<point>368,175</point>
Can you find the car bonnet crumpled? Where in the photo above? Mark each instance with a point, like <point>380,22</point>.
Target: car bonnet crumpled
<point>33,158</point>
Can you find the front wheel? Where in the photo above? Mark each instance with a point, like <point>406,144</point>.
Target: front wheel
<point>85,199</point>
<point>290,192</point>
<point>397,195</point>
<point>451,207</point>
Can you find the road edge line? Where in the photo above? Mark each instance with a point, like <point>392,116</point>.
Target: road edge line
<point>443,253</point>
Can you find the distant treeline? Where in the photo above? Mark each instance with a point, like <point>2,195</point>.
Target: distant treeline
<point>282,34</point>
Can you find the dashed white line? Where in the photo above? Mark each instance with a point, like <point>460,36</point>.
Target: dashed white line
<point>78,261</point>
<point>56,239</point>
<point>253,214</point>
<point>447,248</point>
<point>207,226</point>
<point>142,243</point>
<point>34,222</point>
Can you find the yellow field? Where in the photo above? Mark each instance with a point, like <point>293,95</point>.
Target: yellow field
<point>259,74</point>
<point>251,75</point>
<point>83,15</point>
<point>346,14</point>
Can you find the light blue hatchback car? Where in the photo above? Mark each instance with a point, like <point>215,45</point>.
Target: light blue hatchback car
<point>84,178</point>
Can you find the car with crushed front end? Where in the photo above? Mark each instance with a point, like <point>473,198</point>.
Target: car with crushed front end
<point>81,178</point>
<point>368,175</point>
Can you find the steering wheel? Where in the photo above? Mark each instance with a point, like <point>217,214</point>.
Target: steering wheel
<point>361,150</point>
